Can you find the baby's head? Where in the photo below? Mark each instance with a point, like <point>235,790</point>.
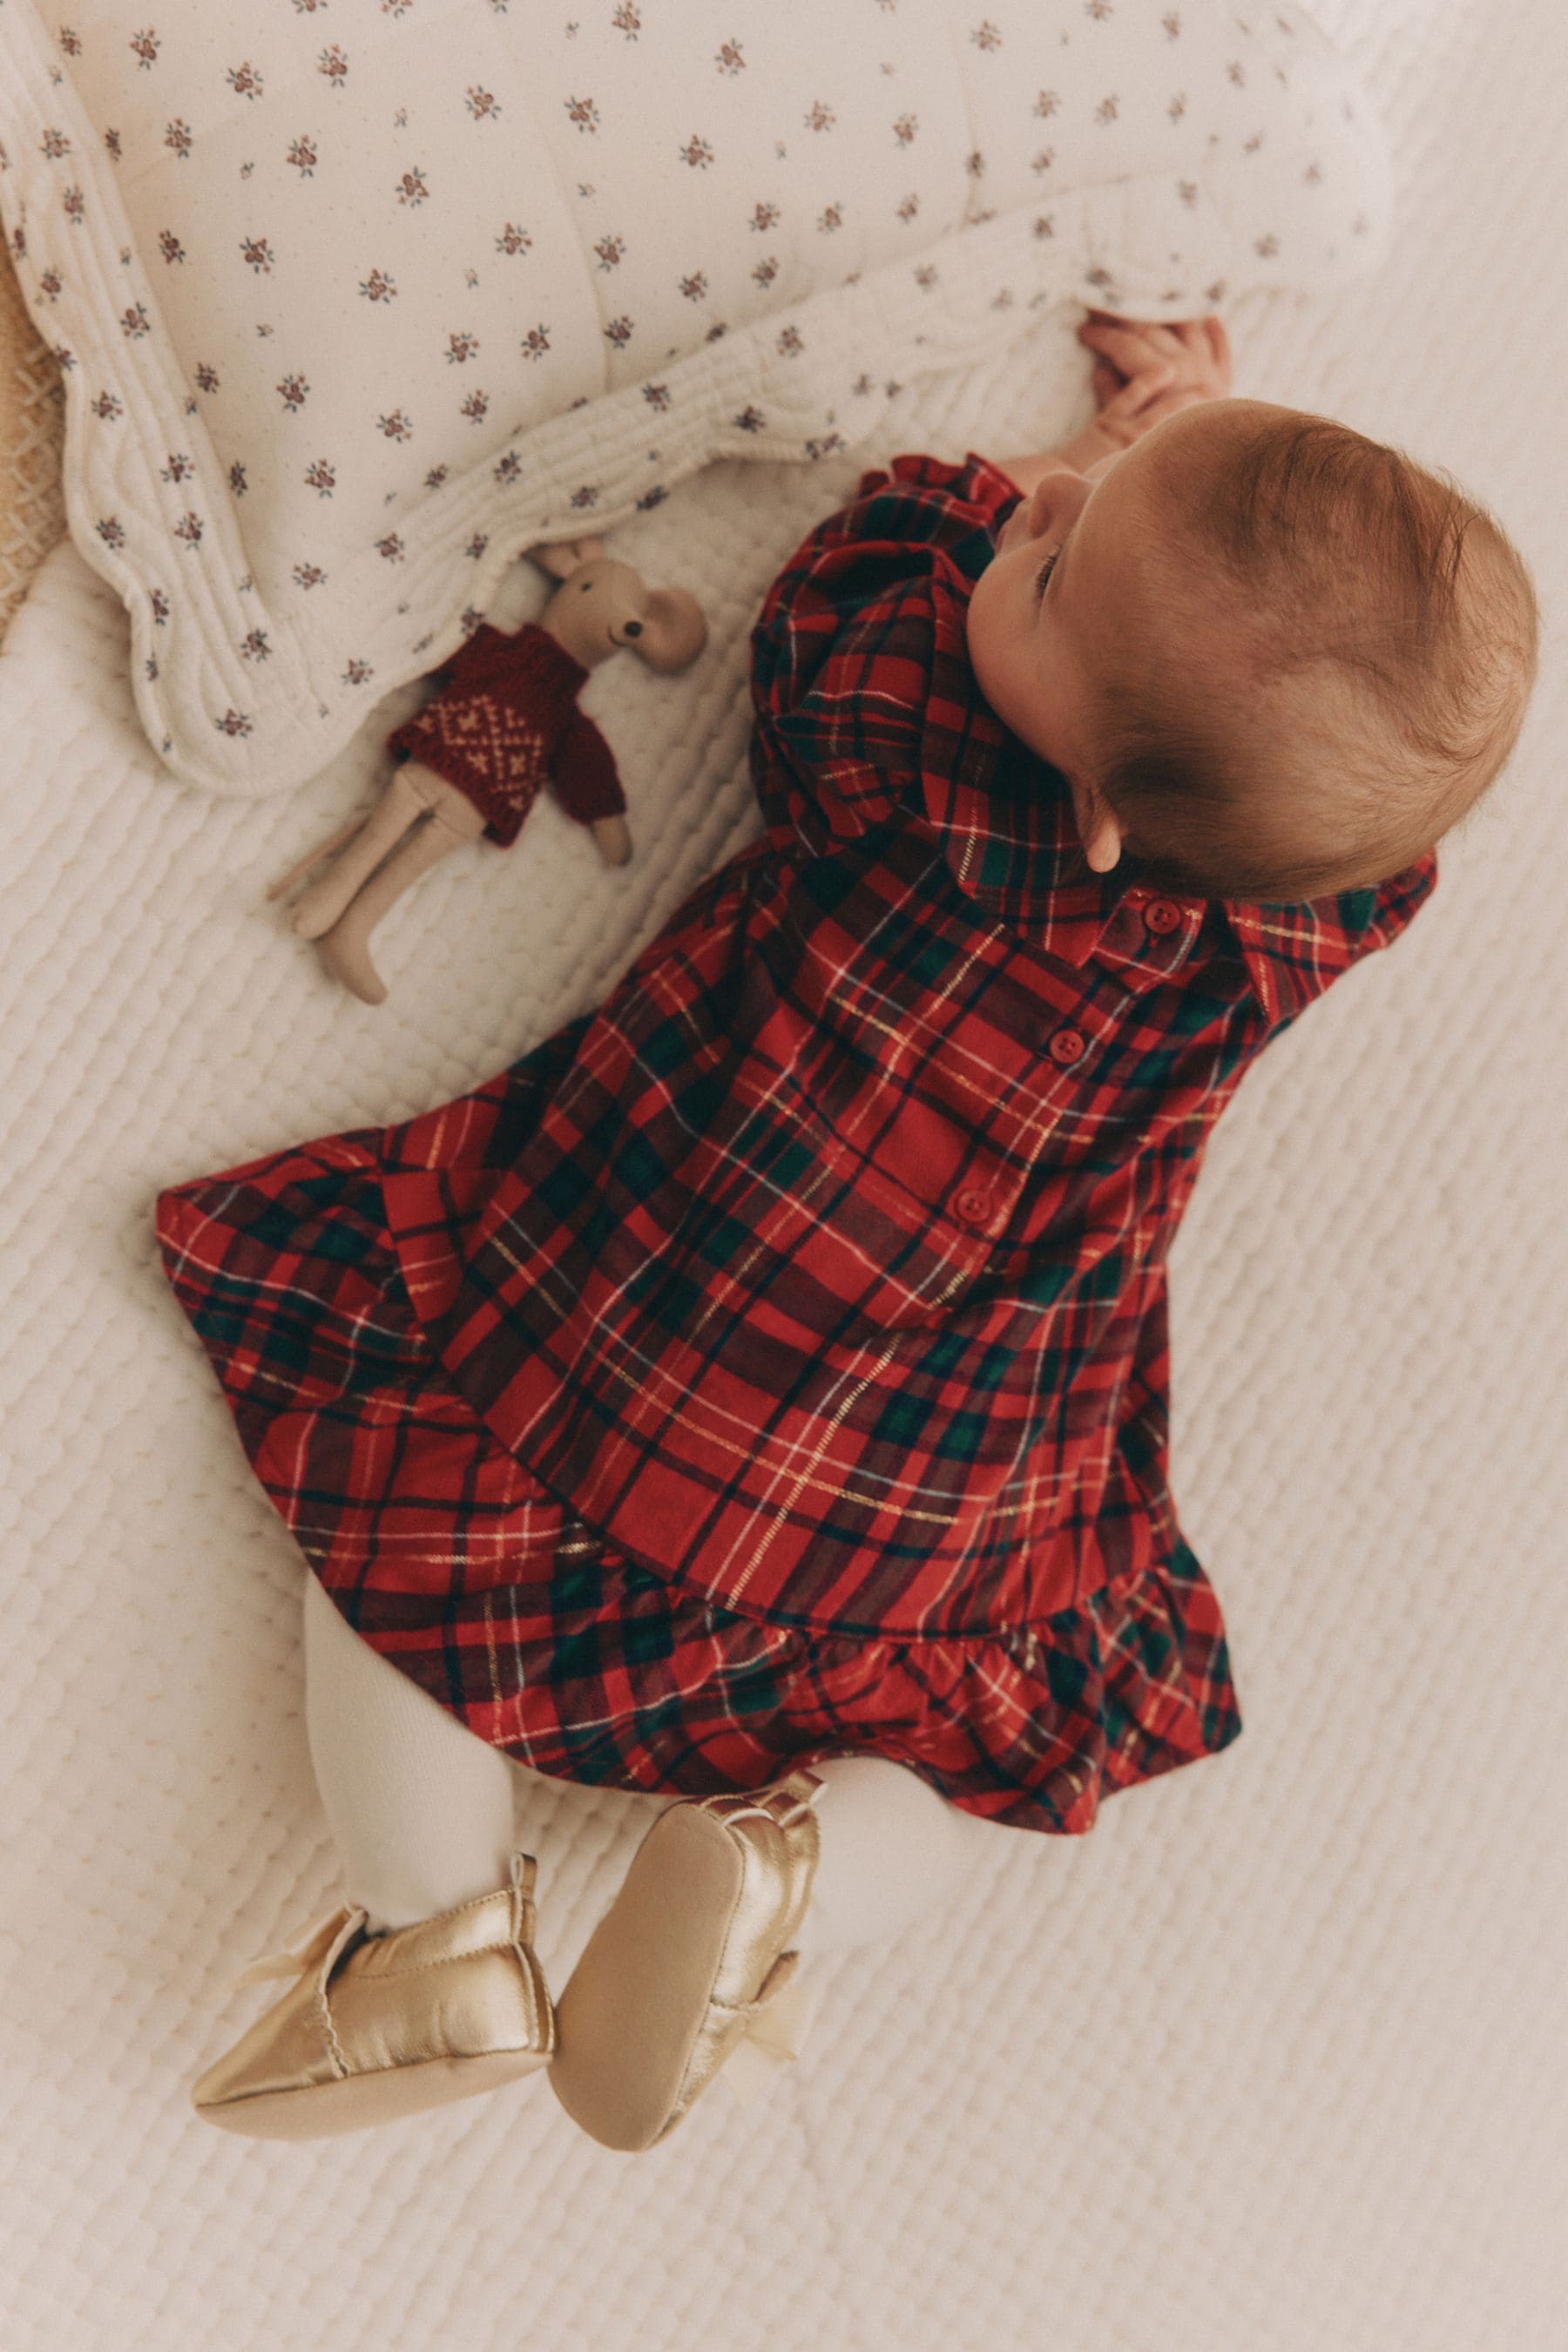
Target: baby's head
<point>1274,659</point>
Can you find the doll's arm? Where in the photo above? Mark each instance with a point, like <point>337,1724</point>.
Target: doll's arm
<point>583,772</point>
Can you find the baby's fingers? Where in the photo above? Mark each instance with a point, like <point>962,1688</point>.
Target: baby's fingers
<point>1209,345</point>
<point>1151,380</point>
<point>1104,382</point>
<point>1129,347</point>
<point>1155,328</point>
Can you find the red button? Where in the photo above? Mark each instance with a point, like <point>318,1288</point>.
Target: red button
<point>1067,1046</point>
<point>973,1205</point>
<point>1163,915</point>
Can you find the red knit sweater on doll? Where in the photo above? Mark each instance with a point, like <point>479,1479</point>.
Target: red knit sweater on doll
<point>505,721</point>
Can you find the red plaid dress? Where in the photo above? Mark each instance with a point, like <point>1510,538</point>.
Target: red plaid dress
<point>772,1363</point>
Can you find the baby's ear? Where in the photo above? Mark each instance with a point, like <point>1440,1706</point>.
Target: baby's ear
<point>562,556</point>
<point>674,630</point>
<point>1099,828</point>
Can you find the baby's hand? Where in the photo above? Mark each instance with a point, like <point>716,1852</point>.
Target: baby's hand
<point>1143,373</point>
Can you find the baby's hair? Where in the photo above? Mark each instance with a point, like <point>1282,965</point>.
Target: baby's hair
<point>1338,562</point>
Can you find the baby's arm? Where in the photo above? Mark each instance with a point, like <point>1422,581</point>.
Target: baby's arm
<point>1143,373</point>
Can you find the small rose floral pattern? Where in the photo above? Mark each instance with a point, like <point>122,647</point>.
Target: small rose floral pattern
<point>384,244</point>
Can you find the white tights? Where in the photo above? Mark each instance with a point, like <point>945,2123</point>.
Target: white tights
<point>421,1809</point>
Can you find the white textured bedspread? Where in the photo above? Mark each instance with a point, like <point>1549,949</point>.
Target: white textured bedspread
<point>1276,2059</point>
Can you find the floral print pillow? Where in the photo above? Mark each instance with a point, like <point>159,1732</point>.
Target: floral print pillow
<point>357,300</point>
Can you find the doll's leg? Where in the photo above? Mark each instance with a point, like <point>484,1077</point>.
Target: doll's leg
<point>345,948</point>
<point>318,907</point>
<point>893,1851</point>
<point>420,1807</point>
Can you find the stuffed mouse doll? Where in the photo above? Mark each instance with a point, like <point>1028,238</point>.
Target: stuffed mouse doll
<point>503,722</point>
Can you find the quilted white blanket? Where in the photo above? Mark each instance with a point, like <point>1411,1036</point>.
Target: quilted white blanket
<point>1275,2061</point>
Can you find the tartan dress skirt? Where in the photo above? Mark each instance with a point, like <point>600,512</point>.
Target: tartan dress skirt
<point>444,1552</point>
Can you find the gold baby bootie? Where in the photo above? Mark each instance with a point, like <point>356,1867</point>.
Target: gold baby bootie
<point>689,1970</point>
<point>379,2026</point>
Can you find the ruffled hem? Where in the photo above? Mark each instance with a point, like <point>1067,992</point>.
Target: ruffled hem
<point>453,1562</point>
<point>602,1673</point>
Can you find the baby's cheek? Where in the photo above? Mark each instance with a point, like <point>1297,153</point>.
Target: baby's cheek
<point>978,619</point>
<point>1033,718</point>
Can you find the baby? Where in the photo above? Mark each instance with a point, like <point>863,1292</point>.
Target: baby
<point>1273,658</point>
<point>758,1394</point>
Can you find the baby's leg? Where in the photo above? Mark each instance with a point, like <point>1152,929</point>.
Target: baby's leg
<point>420,1809</point>
<point>424,2009</point>
<point>893,1851</point>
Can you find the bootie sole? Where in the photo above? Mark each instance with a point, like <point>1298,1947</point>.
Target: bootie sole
<point>357,2102</point>
<point>671,1975</point>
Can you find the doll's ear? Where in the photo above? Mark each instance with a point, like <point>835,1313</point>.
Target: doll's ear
<point>674,630</point>
<point>562,556</point>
